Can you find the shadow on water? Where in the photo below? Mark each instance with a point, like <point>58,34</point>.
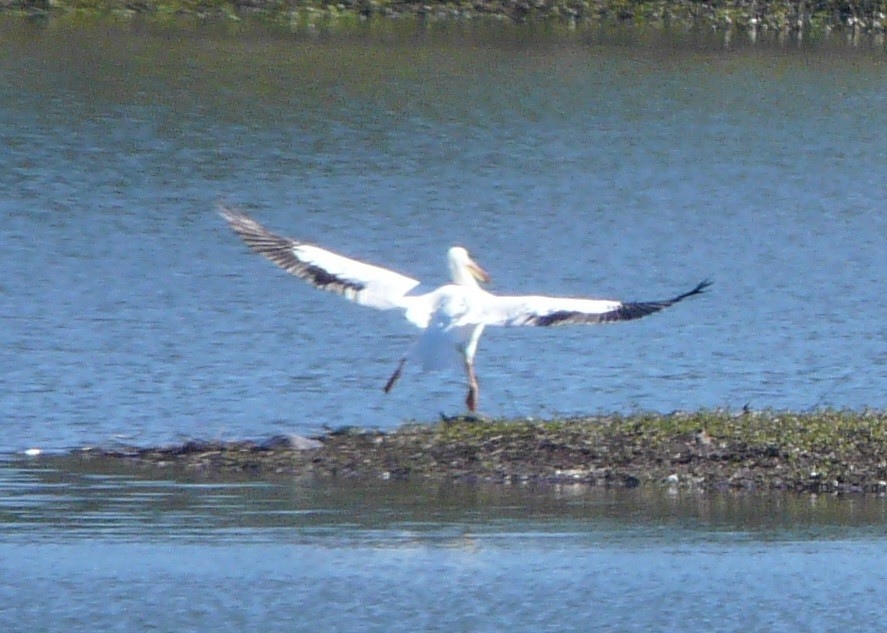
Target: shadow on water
<point>56,497</point>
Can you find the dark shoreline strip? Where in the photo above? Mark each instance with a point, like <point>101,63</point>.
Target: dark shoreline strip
<point>780,16</point>
<point>819,452</point>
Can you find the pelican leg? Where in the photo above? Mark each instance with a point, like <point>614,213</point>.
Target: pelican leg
<point>395,375</point>
<point>471,398</point>
<point>468,356</point>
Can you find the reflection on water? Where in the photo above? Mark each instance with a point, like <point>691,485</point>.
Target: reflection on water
<point>63,498</point>
<point>104,546</point>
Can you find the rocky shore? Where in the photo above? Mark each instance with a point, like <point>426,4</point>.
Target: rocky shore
<point>752,16</point>
<point>820,452</point>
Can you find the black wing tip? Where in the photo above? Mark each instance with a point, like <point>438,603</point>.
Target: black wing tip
<point>232,215</point>
<point>248,228</point>
<point>227,211</point>
<point>701,287</point>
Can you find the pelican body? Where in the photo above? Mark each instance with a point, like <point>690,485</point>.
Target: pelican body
<point>450,318</point>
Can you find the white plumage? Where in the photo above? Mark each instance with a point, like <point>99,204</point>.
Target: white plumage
<point>452,317</point>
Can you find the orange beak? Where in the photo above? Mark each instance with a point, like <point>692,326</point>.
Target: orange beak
<point>479,273</point>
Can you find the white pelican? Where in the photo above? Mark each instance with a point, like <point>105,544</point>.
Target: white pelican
<point>451,317</point>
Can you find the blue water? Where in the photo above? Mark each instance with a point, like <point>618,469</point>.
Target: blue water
<point>480,586</point>
<point>567,167</point>
<point>102,548</point>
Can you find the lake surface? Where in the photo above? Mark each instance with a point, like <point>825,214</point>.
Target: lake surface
<point>568,164</point>
<point>107,549</point>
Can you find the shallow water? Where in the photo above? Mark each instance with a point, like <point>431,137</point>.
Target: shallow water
<point>105,548</point>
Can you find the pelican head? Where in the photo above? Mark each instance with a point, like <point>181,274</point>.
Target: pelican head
<point>464,270</point>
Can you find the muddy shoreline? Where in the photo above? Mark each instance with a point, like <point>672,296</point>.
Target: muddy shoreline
<point>818,452</point>
<point>745,16</point>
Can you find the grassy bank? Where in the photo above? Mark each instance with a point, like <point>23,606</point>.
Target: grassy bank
<point>822,451</point>
<point>781,16</point>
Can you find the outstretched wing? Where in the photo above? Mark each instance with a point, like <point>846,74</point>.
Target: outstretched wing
<point>362,283</point>
<point>545,311</point>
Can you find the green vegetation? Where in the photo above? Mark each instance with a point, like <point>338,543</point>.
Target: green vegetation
<point>821,451</point>
<point>781,16</point>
